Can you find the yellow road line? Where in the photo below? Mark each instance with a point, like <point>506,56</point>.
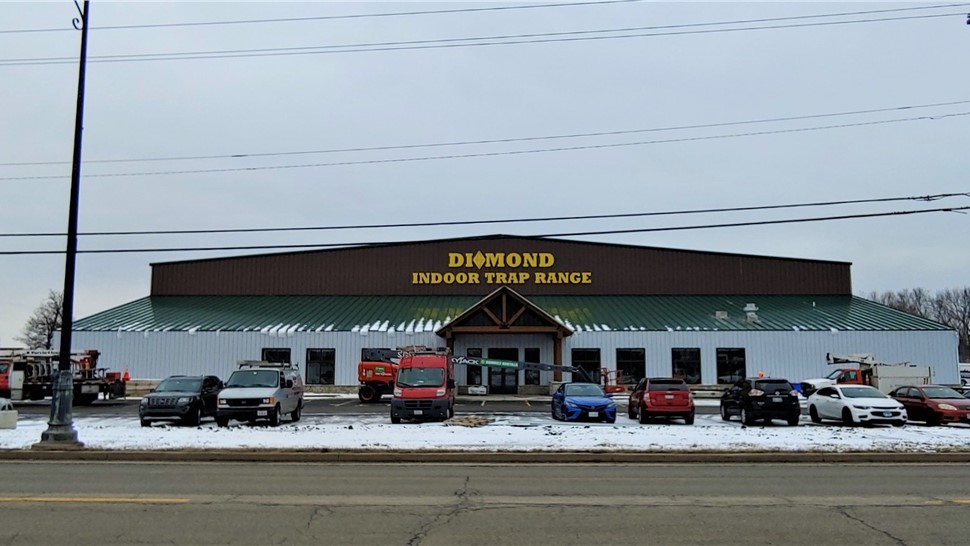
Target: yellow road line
<point>962,501</point>
<point>131,500</point>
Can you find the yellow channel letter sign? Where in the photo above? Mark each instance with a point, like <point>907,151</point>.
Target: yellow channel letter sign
<point>501,268</point>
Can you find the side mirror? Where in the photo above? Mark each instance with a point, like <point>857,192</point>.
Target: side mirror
<point>289,383</point>
<point>833,395</point>
<point>451,383</point>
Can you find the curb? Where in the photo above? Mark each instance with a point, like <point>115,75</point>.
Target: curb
<point>505,457</point>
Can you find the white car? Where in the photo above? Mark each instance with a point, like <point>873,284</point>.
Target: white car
<point>855,405</point>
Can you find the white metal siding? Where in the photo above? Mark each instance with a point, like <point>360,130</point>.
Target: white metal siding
<point>793,355</point>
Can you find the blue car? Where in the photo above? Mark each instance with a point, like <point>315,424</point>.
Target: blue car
<point>581,402</point>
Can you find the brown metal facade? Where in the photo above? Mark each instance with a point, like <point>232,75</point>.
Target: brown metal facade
<point>477,266</point>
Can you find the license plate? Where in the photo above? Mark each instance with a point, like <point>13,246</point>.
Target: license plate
<point>261,413</point>
<point>776,399</point>
<point>594,414</point>
<point>418,412</point>
<point>887,414</point>
<point>669,396</point>
<point>89,389</point>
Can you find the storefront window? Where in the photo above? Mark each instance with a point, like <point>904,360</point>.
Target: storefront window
<point>532,377</point>
<point>631,365</point>
<point>276,355</point>
<point>731,366</point>
<point>473,374</point>
<point>320,366</point>
<point>589,360</point>
<point>687,364</point>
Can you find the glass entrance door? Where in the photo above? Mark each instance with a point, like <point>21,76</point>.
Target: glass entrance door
<point>500,380</point>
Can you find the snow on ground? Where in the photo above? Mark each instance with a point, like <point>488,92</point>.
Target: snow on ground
<point>504,432</point>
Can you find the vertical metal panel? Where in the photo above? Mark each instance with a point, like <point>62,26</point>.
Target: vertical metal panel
<point>793,355</point>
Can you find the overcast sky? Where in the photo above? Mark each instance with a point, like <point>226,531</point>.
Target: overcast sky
<point>277,106</point>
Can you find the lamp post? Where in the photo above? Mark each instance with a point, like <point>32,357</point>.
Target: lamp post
<point>60,431</point>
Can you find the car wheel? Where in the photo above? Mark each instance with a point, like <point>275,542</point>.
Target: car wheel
<point>746,417</point>
<point>793,420</point>
<point>146,423</point>
<point>222,421</point>
<point>898,423</point>
<point>274,416</point>
<point>608,420</point>
<point>298,412</point>
<point>813,413</point>
<point>847,418</point>
<point>689,420</point>
<point>395,419</point>
<point>631,411</point>
<point>643,417</point>
<point>724,413</point>
<point>194,417</point>
<point>933,420</point>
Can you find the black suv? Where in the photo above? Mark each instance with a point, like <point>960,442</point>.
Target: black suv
<point>185,398</point>
<point>761,398</point>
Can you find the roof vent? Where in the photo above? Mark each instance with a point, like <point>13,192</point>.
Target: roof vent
<point>721,315</point>
<point>751,312</point>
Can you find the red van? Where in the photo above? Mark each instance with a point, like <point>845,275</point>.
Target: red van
<point>424,387</point>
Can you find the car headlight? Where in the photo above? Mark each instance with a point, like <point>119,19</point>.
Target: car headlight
<point>947,407</point>
<point>144,402</point>
<point>611,405</point>
<point>271,400</point>
<point>398,392</point>
<point>439,392</point>
<point>570,404</point>
<point>223,402</point>
<point>860,407</point>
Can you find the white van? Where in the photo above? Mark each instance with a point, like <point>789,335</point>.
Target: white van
<point>965,374</point>
<point>261,390</point>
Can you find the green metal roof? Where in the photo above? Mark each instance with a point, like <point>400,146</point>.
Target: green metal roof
<point>285,314</point>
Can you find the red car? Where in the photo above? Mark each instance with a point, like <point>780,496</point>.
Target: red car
<point>664,397</point>
<point>934,404</point>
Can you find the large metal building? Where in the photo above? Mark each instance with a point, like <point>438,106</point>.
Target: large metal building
<point>634,311</point>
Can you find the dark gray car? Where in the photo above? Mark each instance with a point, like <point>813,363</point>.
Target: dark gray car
<point>183,398</point>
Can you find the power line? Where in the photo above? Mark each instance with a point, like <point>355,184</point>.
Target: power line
<point>573,234</point>
<point>348,16</point>
<point>571,36</point>
<point>491,154</point>
<point>499,140</point>
<point>926,198</point>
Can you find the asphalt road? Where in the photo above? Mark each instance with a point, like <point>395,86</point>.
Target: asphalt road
<point>449,504</point>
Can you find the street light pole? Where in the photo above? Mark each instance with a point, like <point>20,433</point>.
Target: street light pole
<point>60,431</point>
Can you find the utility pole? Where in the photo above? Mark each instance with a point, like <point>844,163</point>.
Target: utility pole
<point>60,431</point>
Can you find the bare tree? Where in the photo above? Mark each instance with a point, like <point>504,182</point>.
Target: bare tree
<point>950,307</point>
<point>955,312</point>
<point>40,328</point>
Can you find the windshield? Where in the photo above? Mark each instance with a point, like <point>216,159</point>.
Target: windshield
<point>941,392</point>
<point>421,377</point>
<point>862,392</point>
<point>180,384</point>
<point>834,375</point>
<point>668,386</point>
<point>774,387</point>
<point>254,378</point>
<point>583,389</point>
